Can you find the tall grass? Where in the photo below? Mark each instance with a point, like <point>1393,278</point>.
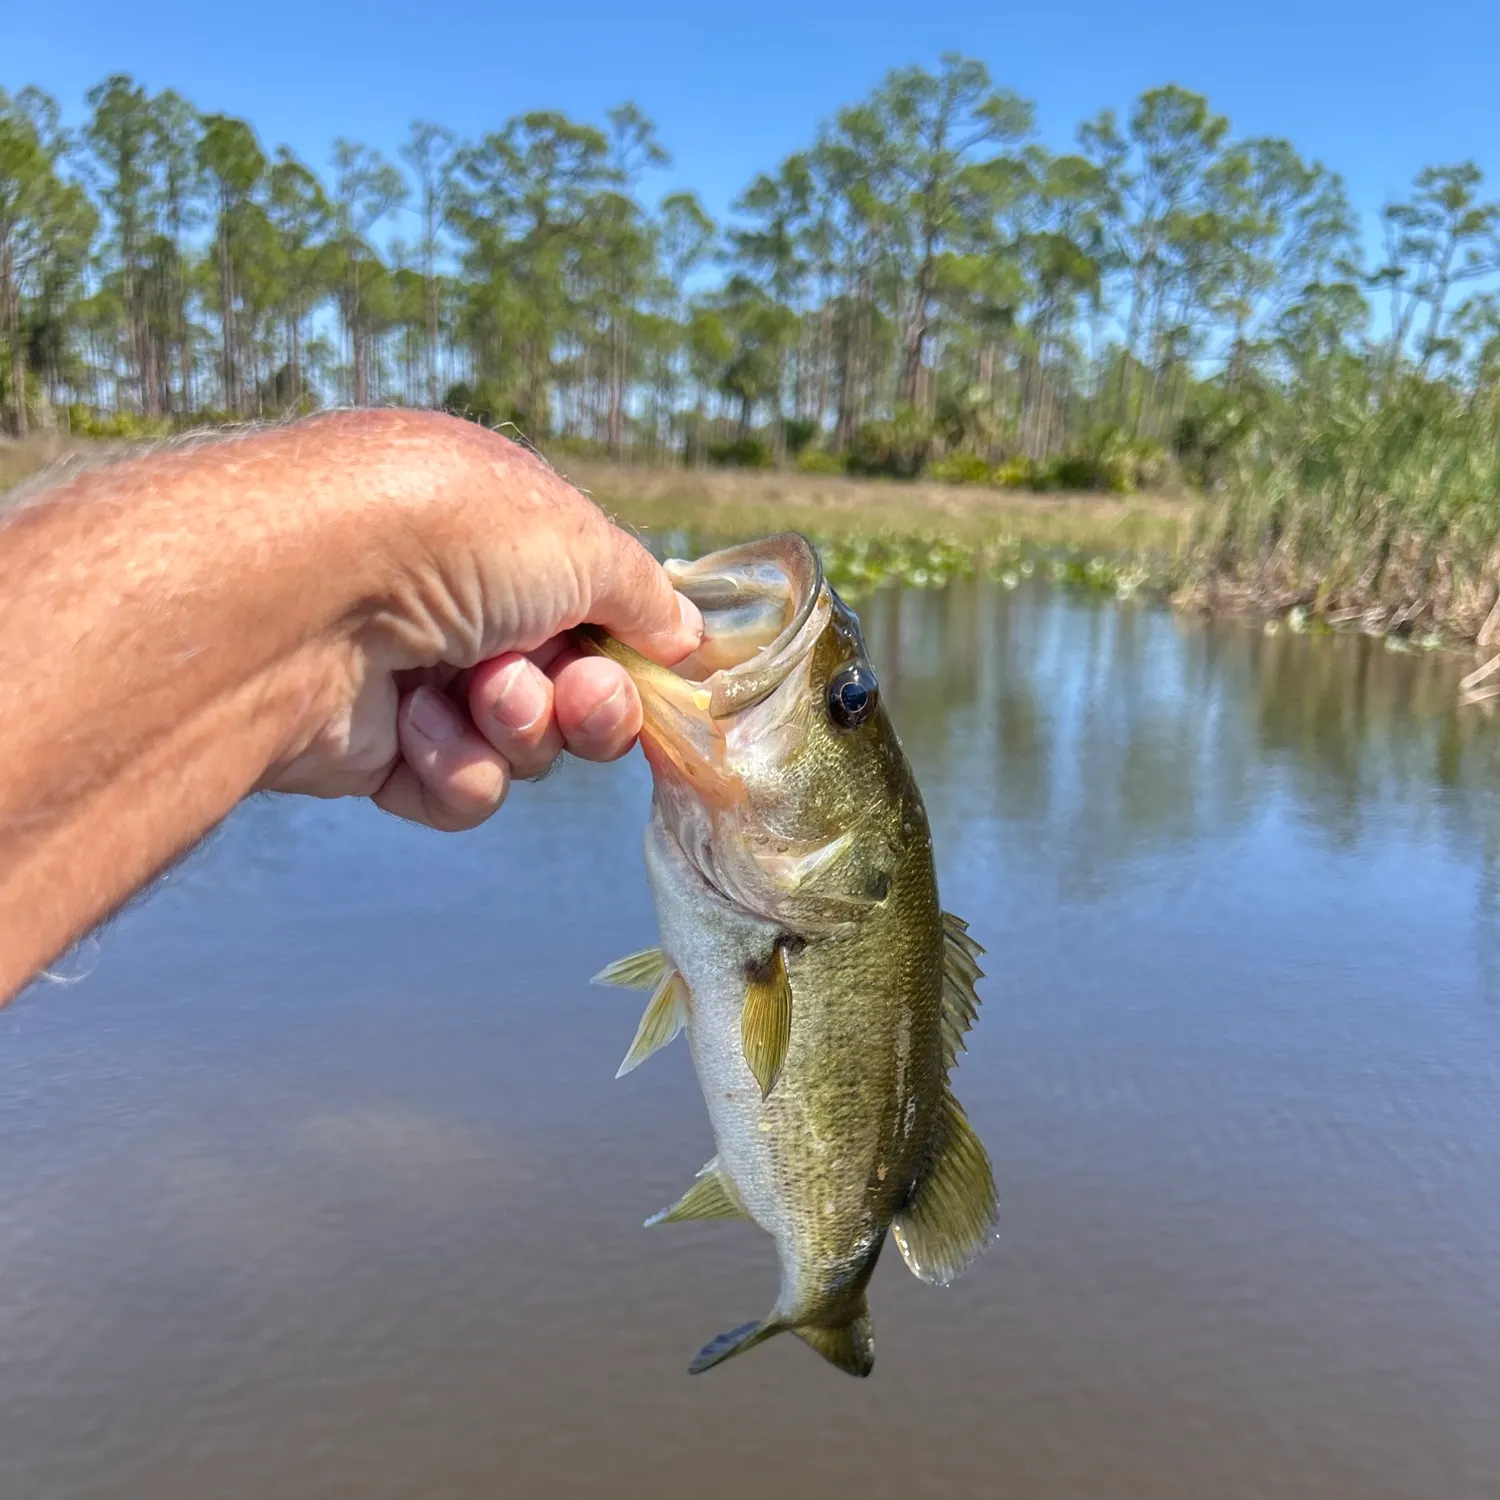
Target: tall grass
<point>1358,494</point>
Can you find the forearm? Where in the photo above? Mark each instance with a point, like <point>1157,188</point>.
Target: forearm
<point>74,857</point>
<point>173,628</point>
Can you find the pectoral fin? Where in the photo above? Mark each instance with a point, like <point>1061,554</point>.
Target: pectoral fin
<point>636,971</point>
<point>766,1020</point>
<point>663,1018</point>
<point>952,1209</point>
<point>960,972</point>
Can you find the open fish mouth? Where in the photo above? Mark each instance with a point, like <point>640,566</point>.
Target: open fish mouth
<point>755,599</point>
<point>763,605</point>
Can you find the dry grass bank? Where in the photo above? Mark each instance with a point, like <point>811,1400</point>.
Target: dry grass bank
<point>752,501</point>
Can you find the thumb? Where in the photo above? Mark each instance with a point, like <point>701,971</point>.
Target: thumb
<point>633,599</point>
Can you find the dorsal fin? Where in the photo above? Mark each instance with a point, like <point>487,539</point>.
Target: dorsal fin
<point>951,1212</point>
<point>960,972</point>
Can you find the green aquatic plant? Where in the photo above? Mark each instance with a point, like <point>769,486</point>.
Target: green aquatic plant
<point>855,565</point>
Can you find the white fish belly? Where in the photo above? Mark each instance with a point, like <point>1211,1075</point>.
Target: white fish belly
<point>710,943</point>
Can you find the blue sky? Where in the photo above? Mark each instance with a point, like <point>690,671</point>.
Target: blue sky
<point>1374,89</point>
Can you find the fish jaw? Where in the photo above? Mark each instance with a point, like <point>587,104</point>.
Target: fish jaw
<point>682,742</point>
<point>720,775</point>
<point>764,606</point>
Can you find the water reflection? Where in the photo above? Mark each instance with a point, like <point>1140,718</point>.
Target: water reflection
<point>317,1185</point>
<point>1135,726</point>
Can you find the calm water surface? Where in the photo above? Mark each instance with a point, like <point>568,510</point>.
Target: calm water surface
<point>318,1184</point>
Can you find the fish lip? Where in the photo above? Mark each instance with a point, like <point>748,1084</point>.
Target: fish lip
<point>801,554</point>
<point>681,731</point>
<point>748,682</point>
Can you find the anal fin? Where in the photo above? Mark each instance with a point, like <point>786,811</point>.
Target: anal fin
<point>766,1020</point>
<point>662,1019</point>
<point>710,1197</point>
<point>951,1213</point>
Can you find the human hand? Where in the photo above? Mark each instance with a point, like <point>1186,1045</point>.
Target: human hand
<point>459,675</point>
<point>373,603</point>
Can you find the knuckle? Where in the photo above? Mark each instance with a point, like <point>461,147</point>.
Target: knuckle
<point>462,791</point>
<point>479,790</point>
<point>449,817</point>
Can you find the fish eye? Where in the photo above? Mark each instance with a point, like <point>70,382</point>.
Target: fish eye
<point>852,695</point>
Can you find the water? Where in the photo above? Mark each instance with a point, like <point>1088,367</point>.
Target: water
<point>318,1185</point>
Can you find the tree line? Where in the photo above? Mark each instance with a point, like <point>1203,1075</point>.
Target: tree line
<point>925,285</point>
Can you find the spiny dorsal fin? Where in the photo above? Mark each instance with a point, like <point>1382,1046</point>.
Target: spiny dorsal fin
<point>636,971</point>
<point>766,1020</point>
<point>711,1196</point>
<point>960,972</point>
<point>952,1209</point>
<point>663,1018</point>
<point>851,1346</point>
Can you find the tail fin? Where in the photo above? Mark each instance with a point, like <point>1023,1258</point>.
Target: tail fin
<point>736,1341</point>
<point>850,1346</point>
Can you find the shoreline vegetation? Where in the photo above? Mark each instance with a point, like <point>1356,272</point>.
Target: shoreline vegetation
<point>924,534</point>
<point>1158,545</point>
<point>1171,357</point>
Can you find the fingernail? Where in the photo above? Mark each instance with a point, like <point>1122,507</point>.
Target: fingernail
<point>520,699</point>
<point>692,620</point>
<point>604,717</point>
<point>433,716</point>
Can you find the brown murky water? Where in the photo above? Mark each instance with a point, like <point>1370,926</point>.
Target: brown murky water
<point>318,1185</point>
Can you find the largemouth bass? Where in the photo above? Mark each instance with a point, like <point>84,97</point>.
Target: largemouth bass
<point>824,993</point>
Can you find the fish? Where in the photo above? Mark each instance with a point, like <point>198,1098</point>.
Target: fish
<point>824,993</point>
